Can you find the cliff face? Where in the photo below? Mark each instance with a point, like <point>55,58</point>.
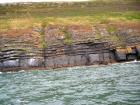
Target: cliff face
<point>90,45</point>
<point>58,56</point>
<point>78,54</point>
<point>68,34</point>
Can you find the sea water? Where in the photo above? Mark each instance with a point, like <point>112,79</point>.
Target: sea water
<point>117,84</point>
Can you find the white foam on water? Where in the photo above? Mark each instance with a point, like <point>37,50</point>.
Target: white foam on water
<point>22,71</point>
<point>9,72</point>
<point>135,61</point>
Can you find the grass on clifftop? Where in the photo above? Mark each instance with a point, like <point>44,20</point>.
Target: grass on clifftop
<point>102,11</point>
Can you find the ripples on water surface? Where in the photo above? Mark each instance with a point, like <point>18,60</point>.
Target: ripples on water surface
<point>117,84</point>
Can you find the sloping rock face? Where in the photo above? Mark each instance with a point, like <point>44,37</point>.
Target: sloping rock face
<point>90,45</point>
<point>117,34</point>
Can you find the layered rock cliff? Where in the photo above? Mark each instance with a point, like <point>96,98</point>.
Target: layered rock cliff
<point>89,45</point>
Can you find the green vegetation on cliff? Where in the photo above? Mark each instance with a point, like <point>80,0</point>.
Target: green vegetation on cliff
<point>109,20</point>
<point>16,16</point>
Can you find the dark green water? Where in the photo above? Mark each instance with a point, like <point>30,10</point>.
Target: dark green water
<point>117,84</point>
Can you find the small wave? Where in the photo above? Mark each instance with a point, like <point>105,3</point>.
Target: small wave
<point>135,61</point>
<point>76,67</point>
<point>21,71</point>
<point>9,72</point>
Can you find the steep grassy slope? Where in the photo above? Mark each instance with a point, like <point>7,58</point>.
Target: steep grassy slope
<point>116,21</point>
<point>100,11</point>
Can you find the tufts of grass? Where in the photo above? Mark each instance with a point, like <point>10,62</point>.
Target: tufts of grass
<point>98,11</point>
<point>67,36</point>
<point>42,34</point>
<point>111,29</point>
